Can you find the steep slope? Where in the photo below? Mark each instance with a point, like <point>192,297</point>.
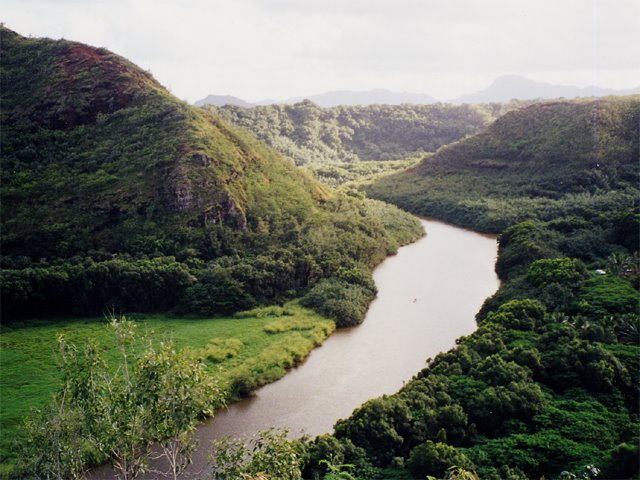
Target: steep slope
<point>95,149</point>
<point>508,87</point>
<point>532,162</point>
<point>110,184</point>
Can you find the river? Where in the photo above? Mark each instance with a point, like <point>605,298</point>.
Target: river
<point>428,295</point>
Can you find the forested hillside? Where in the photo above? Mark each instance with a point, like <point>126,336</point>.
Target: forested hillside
<point>311,135</point>
<point>537,162</point>
<point>548,384</point>
<point>117,195</point>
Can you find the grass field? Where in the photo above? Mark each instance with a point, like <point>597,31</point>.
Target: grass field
<point>243,352</point>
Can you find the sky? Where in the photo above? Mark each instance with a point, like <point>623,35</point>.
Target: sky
<point>257,49</point>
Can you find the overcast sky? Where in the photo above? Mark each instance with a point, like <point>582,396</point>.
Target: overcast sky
<point>257,49</point>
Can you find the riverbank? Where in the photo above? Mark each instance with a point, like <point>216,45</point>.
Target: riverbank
<point>426,282</point>
<point>266,342</point>
<point>428,295</point>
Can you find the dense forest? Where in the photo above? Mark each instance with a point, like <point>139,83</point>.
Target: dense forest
<point>311,135</point>
<point>548,384</point>
<point>542,161</point>
<point>117,195</point>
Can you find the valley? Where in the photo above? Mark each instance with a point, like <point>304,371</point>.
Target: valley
<point>240,238</point>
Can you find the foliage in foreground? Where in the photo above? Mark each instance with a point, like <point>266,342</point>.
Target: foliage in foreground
<point>268,455</point>
<point>100,414</point>
<point>243,353</point>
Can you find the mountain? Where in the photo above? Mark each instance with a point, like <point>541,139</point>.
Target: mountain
<point>220,100</point>
<point>508,87</point>
<point>115,194</point>
<point>530,163</point>
<point>379,96</point>
<point>502,90</point>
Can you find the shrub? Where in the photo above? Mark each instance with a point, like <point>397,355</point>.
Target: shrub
<point>219,349</point>
<point>262,312</point>
<point>551,270</point>
<point>345,302</point>
<point>607,294</point>
<point>523,314</point>
<point>216,292</point>
<point>288,324</point>
<point>435,459</point>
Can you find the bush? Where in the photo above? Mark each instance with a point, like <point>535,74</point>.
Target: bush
<point>220,349</point>
<point>345,302</point>
<point>523,314</point>
<point>288,324</point>
<point>262,312</point>
<point>376,426</point>
<point>435,459</point>
<point>90,287</point>
<point>552,270</point>
<point>216,292</point>
<point>607,294</point>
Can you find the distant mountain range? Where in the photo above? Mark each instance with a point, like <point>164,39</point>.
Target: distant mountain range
<point>503,89</point>
<point>378,96</point>
<point>221,100</point>
<point>508,87</point>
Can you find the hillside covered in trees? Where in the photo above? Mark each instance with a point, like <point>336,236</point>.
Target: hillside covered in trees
<point>117,195</point>
<point>537,162</point>
<point>548,384</point>
<point>311,135</point>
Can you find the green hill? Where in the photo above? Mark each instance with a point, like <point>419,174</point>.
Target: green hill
<point>359,143</point>
<point>531,163</point>
<point>115,193</point>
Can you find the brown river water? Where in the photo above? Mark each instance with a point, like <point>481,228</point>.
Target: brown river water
<point>428,295</point>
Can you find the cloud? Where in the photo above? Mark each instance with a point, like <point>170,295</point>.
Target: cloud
<point>282,48</point>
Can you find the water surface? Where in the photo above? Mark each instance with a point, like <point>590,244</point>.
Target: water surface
<point>428,295</point>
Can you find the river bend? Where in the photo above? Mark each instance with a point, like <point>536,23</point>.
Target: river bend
<point>428,295</point>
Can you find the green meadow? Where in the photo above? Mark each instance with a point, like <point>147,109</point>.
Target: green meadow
<point>243,352</point>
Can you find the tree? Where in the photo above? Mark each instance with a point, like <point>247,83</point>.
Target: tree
<point>267,456</point>
<point>177,391</point>
<point>117,411</point>
<point>120,430</point>
<point>430,458</point>
<point>55,447</point>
